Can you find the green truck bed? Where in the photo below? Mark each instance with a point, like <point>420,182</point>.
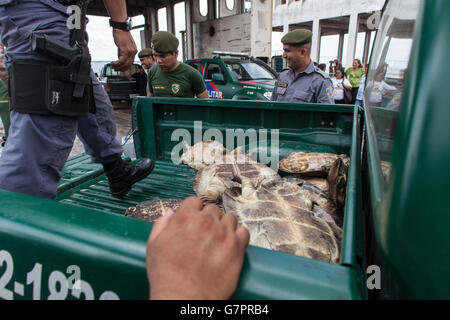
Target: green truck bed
<point>85,227</point>
<point>396,220</point>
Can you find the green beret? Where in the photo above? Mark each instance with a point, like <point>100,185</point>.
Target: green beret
<point>297,37</point>
<point>146,52</point>
<point>164,42</point>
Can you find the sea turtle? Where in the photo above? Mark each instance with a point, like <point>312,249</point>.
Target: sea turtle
<point>205,153</point>
<point>202,154</point>
<point>310,163</point>
<point>237,156</point>
<point>153,209</point>
<point>318,197</point>
<point>321,183</point>
<point>211,181</point>
<point>337,181</point>
<point>279,217</point>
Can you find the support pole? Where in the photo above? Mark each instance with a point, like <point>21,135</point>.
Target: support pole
<point>170,18</point>
<point>366,48</point>
<point>154,20</point>
<point>189,30</point>
<point>341,46</point>
<point>315,46</point>
<point>352,37</point>
<point>146,34</point>
<point>211,10</point>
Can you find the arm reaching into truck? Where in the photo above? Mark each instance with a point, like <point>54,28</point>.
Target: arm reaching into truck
<point>196,253</point>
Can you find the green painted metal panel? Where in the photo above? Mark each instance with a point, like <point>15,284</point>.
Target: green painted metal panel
<point>109,250</point>
<point>410,210</point>
<point>77,170</point>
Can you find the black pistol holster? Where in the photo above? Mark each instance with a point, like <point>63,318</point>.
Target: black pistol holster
<point>63,87</point>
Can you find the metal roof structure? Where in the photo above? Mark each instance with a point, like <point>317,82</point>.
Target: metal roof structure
<point>134,7</point>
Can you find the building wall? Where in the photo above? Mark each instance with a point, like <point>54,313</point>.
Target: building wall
<point>261,28</point>
<point>245,33</point>
<point>251,32</point>
<point>232,34</point>
<point>309,10</point>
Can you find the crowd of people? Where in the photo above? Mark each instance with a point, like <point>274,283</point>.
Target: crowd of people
<point>348,84</point>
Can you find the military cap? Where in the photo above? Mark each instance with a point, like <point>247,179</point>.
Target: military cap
<point>146,52</point>
<point>297,37</point>
<point>164,42</point>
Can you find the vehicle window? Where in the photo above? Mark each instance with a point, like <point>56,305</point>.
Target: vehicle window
<point>198,66</point>
<point>248,71</point>
<point>212,68</point>
<point>237,71</point>
<point>387,71</point>
<point>110,72</point>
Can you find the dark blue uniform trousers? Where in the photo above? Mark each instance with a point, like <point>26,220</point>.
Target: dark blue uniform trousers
<point>38,146</point>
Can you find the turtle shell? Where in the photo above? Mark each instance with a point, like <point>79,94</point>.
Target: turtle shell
<point>153,209</point>
<point>318,197</point>
<point>211,181</point>
<point>311,163</point>
<point>202,154</point>
<point>321,183</point>
<point>279,216</point>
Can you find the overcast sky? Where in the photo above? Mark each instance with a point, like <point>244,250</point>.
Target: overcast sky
<point>101,42</point>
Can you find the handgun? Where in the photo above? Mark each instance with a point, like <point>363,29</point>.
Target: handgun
<point>54,48</point>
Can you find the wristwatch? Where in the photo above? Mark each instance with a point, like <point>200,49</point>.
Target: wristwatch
<point>125,25</point>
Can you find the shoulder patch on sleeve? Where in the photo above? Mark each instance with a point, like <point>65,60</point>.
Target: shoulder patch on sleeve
<point>329,91</point>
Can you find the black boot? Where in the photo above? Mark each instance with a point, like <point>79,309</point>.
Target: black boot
<point>122,176</point>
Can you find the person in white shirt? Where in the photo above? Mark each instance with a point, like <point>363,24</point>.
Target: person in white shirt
<point>339,84</point>
<point>379,89</point>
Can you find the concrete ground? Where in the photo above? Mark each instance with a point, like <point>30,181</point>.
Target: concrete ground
<point>122,112</point>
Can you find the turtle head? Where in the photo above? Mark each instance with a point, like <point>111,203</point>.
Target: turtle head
<point>337,180</point>
<point>236,177</point>
<point>247,188</point>
<point>186,157</point>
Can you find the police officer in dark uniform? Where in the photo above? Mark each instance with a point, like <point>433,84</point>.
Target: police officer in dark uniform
<point>302,82</point>
<point>55,95</point>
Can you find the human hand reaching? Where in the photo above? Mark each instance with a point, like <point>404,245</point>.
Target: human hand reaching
<point>126,49</point>
<point>195,253</point>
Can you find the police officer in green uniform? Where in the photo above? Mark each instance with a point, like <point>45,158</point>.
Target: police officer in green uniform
<point>4,103</point>
<point>172,78</point>
<point>302,82</point>
<point>146,58</point>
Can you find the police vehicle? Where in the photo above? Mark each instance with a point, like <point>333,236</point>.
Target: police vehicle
<point>236,76</point>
